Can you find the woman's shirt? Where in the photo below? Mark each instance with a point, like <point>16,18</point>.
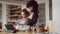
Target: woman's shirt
<point>30,16</point>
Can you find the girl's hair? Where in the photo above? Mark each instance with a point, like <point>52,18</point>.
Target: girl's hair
<point>26,13</point>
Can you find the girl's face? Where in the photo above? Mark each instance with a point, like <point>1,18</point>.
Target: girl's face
<point>23,14</point>
<point>30,9</point>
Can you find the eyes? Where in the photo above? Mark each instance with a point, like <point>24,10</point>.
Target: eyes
<point>23,14</point>
<point>30,8</point>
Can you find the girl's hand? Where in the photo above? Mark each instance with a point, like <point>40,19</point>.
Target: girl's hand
<point>26,19</point>
<point>16,22</point>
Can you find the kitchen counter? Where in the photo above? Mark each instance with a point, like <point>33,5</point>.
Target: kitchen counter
<point>30,32</point>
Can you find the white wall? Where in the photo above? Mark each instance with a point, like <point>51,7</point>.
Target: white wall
<point>38,1</point>
<point>3,14</point>
<point>24,6</point>
<point>46,9</point>
<point>56,16</point>
<point>47,12</point>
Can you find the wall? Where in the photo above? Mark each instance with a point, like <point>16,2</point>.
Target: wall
<point>47,12</point>
<point>46,2</point>
<point>56,16</point>
<point>3,14</point>
<point>24,6</point>
<point>38,1</point>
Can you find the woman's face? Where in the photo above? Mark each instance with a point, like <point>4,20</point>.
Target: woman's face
<point>30,9</point>
<point>23,14</point>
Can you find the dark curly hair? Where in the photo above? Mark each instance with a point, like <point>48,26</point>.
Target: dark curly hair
<point>33,4</point>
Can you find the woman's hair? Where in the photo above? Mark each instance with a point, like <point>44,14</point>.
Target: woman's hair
<point>26,13</point>
<point>33,4</point>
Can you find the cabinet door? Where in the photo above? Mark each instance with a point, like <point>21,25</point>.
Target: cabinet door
<point>0,16</point>
<point>13,12</point>
<point>41,14</point>
<point>0,12</point>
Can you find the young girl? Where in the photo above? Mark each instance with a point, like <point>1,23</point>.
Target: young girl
<point>22,24</point>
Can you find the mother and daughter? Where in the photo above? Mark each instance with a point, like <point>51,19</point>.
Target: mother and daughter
<point>28,17</point>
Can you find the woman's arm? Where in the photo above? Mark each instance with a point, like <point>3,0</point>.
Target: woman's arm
<point>33,20</point>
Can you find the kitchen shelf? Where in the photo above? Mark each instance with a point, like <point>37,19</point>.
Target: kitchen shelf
<point>13,13</point>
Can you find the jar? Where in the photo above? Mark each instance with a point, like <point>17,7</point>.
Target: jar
<point>39,29</point>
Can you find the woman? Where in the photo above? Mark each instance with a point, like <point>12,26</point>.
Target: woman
<point>32,8</point>
<point>22,24</point>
